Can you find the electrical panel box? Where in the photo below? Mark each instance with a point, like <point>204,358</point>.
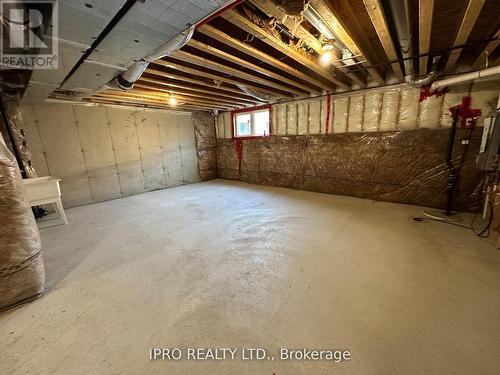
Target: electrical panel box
<point>489,151</point>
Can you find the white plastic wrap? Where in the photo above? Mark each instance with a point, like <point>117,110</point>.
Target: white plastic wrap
<point>408,108</point>
<point>430,112</point>
<point>389,110</point>
<point>323,109</point>
<point>291,119</point>
<point>302,117</point>
<point>315,116</point>
<point>22,272</point>
<point>228,125</point>
<point>340,113</point>
<point>281,110</point>
<point>220,126</point>
<point>356,108</point>
<point>373,103</point>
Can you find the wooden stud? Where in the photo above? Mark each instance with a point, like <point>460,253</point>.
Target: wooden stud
<point>425,14</point>
<point>376,13</point>
<point>470,17</point>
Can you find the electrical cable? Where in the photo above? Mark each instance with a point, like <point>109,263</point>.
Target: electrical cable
<point>483,233</point>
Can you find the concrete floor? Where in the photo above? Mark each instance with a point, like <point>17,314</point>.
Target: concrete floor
<point>226,264</point>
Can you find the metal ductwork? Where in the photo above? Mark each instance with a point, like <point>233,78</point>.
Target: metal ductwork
<point>400,11</point>
<point>126,80</point>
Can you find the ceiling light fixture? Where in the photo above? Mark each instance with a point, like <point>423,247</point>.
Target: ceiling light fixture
<point>172,100</point>
<point>326,57</point>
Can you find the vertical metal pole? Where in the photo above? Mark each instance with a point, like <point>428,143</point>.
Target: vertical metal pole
<point>452,179</point>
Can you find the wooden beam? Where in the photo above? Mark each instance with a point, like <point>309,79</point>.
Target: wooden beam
<point>222,37</point>
<point>470,17</point>
<point>236,60</point>
<point>197,81</point>
<point>151,99</point>
<point>293,25</point>
<point>425,14</point>
<point>332,20</point>
<point>376,13</point>
<point>146,101</point>
<point>330,80</point>
<point>200,73</point>
<point>194,97</point>
<point>119,102</point>
<point>480,61</point>
<point>163,98</point>
<point>209,93</point>
<point>201,61</point>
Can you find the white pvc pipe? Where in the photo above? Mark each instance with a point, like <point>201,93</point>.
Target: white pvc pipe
<point>466,77</point>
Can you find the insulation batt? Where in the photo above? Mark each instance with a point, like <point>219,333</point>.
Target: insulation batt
<point>22,273</point>
<point>404,166</point>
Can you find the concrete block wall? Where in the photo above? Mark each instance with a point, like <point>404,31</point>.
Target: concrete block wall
<point>102,153</point>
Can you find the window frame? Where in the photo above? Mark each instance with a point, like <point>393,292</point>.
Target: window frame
<point>250,111</point>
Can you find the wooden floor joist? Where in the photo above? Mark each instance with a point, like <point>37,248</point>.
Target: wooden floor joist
<point>209,93</point>
<point>219,77</point>
<point>245,24</point>
<point>469,20</point>
<point>294,26</point>
<point>162,98</point>
<point>332,21</point>
<point>480,62</point>
<point>201,61</point>
<point>236,60</point>
<point>192,98</point>
<point>119,102</point>
<point>224,88</point>
<point>222,37</point>
<point>425,13</point>
<point>376,13</point>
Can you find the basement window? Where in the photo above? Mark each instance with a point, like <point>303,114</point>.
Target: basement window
<point>249,123</point>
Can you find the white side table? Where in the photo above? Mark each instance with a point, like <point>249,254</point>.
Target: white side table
<point>45,190</point>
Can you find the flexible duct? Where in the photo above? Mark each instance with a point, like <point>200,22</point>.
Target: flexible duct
<point>466,77</point>
<point>259,96</point>
<point>127,79</point>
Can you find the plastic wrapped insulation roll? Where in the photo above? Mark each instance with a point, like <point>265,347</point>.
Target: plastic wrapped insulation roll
<point>22,273</point>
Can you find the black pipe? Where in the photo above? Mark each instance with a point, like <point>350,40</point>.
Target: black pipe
<point>453,177</point>
<point>118,16</point>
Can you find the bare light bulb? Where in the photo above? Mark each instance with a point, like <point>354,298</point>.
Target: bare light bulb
<point>326,57</point>
<point>172,100</point>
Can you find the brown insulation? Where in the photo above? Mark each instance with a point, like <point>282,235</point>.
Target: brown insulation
<point>22,272</point>
<point>15,119</point>
<point>204,130</point>
<point>402,166</point>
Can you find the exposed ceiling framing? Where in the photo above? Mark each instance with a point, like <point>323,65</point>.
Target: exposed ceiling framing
<point>256,53</point>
